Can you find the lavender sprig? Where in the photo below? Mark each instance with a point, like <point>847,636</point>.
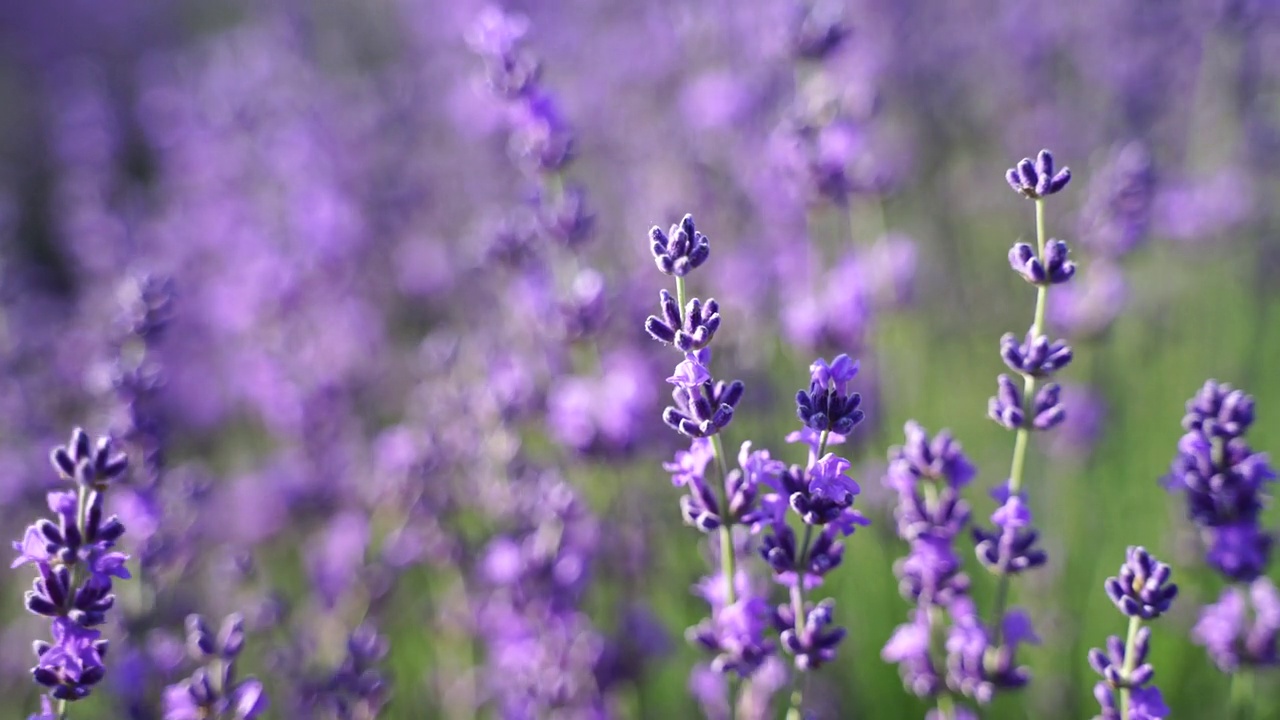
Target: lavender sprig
<point>214,692</point>
<point>1225,484</point>
<point>1010,549</point>
<point>821,495</point>
<point>702,409</point>
<point>76,562</point>
<point>1141,591</point>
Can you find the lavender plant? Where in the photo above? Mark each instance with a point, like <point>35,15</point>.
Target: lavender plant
<point>1224,483</point>
<point>215,691</point>
<point>76,562</point>
<point>1010,548</point>
<point>1141,591</point>
<point>820,494</point>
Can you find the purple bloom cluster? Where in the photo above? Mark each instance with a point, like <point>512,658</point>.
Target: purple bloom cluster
<point>541,139</point>
<point>928,476</point>
<point>214,691</point>
<point>821,495</point>
<point>1224,483</point>
<point>357,688</point>
<point>1141,591</point>
<point>76,561</point>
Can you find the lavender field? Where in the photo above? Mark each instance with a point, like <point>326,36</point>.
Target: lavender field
<point>727,359</point>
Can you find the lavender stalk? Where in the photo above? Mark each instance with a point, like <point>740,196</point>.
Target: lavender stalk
<point>1035,407</point>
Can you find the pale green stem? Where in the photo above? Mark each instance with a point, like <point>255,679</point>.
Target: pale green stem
<point>62,710</point>
<point>1130,659</point>
<point>1243,698</point>
<point>680,296</point>
<point>728,566</point>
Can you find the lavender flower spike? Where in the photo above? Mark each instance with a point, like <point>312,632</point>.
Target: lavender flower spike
<point>76,563</point>
<point>213,692</point>
<point>1141,591</point>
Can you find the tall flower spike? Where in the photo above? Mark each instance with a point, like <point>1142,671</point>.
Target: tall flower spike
<point>1224,481</point>
<point>76,564</point>
<point>1141,591</point>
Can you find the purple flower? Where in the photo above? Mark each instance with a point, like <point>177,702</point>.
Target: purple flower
<point>910,649</point>
<point>690,330</point>
<point>691,463</point>
<point>814,642</point>
<point>828,406</point>
<point>1006,406</point>
<point>735,636</point>
<point>1010,548</point>
<point>1142,589</point>
<point>1224,481</point>
<point>682,250</point>
<point>977,669</point>
<point>1037,179</point>
<point>214,690</point>
<point>692,371</point>
<point>1053,269</point>
<point>1240,629</point>
<point>1035,356</point>
<point>72,665</point>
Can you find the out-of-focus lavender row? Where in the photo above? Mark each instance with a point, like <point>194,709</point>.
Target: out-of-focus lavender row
<point>358,288</point>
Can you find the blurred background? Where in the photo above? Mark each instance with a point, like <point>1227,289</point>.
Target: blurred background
<point>361,288</point>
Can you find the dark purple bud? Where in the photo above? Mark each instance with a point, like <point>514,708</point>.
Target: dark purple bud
<point>1006,407</point>
<point>1037,179</point>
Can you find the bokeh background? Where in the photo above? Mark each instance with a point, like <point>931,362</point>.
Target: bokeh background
<point>372,329</point>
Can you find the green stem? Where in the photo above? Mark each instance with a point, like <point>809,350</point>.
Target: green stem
<point>1130,659</point>
<point>1243,699</point>
<point>728,563</point>
<point>680,296</point>
<point>946,706</point>
<point>797,606</point>
<point>62,710</point>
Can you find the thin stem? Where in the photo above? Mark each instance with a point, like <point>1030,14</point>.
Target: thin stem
<point>797,606</point>
<point>1042,238</point>
<point>1243,699</point>
<point>1130,659</point>
<point>946,706</point>
<point>62,710</point>
<point>728,566</point>
<point>680,296</point>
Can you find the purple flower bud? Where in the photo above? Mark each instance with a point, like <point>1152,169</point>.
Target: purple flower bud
<point>680,251</point>
<point>1035,356</point>
<point>1037,179</point>
<point>1142,588</point>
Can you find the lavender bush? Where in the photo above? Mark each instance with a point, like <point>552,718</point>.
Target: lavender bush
<point>360,300</point>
